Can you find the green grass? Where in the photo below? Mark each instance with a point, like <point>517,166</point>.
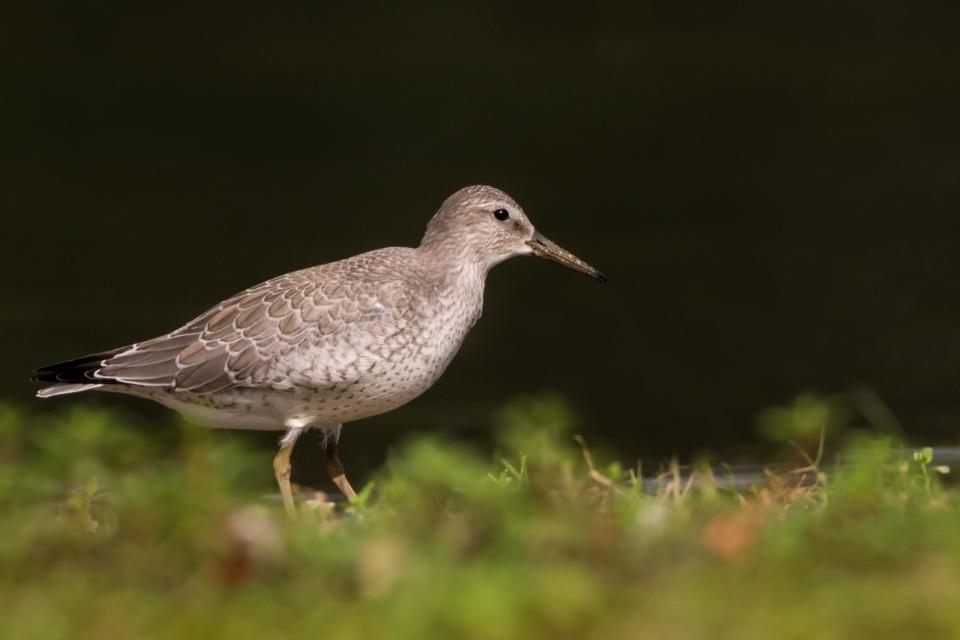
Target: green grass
<point>107,533</point>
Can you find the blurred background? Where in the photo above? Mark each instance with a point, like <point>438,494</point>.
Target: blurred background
<point>770,188</point>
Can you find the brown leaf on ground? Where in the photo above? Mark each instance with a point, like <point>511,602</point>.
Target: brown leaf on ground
<point>729,536</point>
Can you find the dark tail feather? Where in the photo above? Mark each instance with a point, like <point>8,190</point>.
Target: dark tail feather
<point>77,371</point>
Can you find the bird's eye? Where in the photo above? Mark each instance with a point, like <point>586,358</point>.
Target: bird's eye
<point>501,214</point>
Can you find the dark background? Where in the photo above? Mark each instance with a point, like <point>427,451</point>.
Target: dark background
<point>770,187</point>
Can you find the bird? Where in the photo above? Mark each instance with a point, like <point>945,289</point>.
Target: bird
<point>330,344</point>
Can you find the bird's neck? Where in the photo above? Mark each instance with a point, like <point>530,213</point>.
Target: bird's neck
<point>455,275</point>
<point>457,261</point>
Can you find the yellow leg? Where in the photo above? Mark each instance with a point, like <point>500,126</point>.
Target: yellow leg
<point>336,472</point>
<point>281,468</point>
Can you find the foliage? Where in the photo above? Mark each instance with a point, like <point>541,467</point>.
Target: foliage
<point>111,530</point>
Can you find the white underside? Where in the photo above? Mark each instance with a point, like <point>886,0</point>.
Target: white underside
<point>261,410</point>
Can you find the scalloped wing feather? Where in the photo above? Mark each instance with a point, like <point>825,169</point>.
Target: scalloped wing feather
<point>238,342</point>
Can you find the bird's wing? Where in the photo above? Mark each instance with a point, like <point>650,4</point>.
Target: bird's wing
<point>239,342</point>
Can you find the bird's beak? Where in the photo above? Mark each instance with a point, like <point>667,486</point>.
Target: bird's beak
<point>544,248</point>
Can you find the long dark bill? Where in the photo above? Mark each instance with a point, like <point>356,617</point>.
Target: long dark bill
<point>544,248</point>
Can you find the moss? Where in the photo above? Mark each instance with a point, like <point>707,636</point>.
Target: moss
<point>111,529</point>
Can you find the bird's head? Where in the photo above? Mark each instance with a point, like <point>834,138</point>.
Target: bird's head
<point>485,224</point>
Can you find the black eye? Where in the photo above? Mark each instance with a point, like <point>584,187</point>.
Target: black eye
<point>501,214</point>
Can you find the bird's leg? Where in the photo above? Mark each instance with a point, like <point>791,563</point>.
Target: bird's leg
<point>281,468</point>
<point>334,466</point>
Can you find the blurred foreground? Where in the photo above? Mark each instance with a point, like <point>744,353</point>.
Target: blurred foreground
<point>109,530</point>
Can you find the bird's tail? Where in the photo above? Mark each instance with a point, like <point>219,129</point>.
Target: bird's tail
<point>62,389</point>
<point>72,376</point>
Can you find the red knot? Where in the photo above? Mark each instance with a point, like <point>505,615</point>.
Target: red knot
<point>327,345</point>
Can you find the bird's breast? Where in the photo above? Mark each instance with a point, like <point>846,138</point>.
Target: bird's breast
<point>398,353</point>
<point>443,326</point>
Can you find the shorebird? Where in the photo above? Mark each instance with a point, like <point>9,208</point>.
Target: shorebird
<point>330,344</point>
